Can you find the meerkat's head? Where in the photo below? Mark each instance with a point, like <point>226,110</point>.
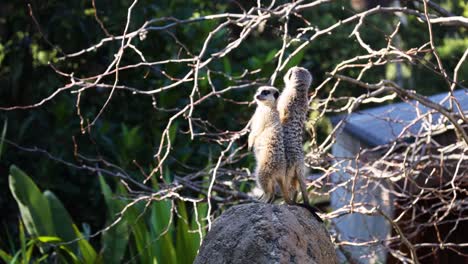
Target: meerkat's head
<point>298,77</point>
<point>267,95</point>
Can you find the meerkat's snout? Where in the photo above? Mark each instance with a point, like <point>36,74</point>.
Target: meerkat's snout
<point>267,93</point>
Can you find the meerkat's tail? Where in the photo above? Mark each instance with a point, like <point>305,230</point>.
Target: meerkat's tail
<point>305,197</point>
<point>312,210</point>
<point>301,179</point>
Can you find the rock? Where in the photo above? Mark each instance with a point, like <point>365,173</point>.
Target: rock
<point>267,233</point>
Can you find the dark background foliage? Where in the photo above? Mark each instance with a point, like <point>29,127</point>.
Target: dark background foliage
<point>129,131</point>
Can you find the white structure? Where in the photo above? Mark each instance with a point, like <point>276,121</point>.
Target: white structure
<point>370,128</point>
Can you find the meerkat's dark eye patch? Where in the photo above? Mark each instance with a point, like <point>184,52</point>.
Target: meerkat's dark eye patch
<point>265,92</point>
<point>276,95</point>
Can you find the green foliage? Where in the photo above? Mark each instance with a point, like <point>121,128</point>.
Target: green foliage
<point>7,258</point>
<point>115,240</point>
<point>130,129</point>
<point>188,242</point>
<point>61,220</point>
<point>296,59</point>
<point>26,254</point>
<point>2,137</point>
<point>47,220</point>
<point>34,206</point>
<point>453,47</point>
<point>160,220</point>
<point>86,252</point>
<point>158,237</point>
<point>145,233</point>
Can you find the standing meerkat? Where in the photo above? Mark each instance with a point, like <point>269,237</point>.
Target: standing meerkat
<point>292,107</point>
<point>266,138</point>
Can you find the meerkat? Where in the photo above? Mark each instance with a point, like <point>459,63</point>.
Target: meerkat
<point>292,107</point>
<point>266,138</point>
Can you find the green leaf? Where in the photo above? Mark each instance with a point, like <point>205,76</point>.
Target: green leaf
<point>160,220</point>
<point>67,256</point>
<point>173,132</point>
<point>87,252</point>
<point>295,60</point>
<point>34,207</point>
<point>227,65</point>
<point>271,55</point>
<point>5,256</point>
<point>16,257</point>
<point>141,248</point>
<point>29,251</point>
<point>23,242</point>
<point>186,242</point>
<point>42,258</point>
<point>115,240</point>
<point>62,221</point>
<point>2,138</point>
<point>141,234</point>
<point>202,209</point>
<point>49,239</point>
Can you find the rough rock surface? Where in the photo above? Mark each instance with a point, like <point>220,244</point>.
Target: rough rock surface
<point>267,233</point>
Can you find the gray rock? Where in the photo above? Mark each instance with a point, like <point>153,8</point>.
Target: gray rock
<point>267,233</point>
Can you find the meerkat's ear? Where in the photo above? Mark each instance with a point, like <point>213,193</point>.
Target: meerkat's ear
<point>276,94</point>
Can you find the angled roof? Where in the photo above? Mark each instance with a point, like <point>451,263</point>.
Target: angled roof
<point>382,125</point>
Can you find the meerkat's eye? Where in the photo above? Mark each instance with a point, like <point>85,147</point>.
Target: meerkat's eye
<point>276,95</point>
<point>265,92</point>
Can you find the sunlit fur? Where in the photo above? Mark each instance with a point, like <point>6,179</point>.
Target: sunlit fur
<point>266,138</point>
<point>292,107</point>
